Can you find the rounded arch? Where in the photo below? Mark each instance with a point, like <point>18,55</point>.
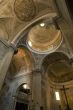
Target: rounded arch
<point>24,88</point>
<point>58,68</point>
<point>51,58</point>
<point>15,84</point>
<point>13,87</point>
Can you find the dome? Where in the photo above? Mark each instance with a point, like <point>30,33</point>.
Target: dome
<point>44,39</point>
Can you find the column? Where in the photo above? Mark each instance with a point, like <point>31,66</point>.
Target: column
<point>6,53</point>
<point>36,90</point>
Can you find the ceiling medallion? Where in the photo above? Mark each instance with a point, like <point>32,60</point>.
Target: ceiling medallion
<point>44,39</point>
<point>25,10</point>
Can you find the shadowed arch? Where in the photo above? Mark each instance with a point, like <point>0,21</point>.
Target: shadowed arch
<point>57,66</point>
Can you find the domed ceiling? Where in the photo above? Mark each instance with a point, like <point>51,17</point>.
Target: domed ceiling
<point>17,15</point>
<point>58,68</point>
<point>42,38</point>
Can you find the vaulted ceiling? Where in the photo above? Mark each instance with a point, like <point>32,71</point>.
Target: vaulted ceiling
<point>18,17</point>
<point>18,14</point>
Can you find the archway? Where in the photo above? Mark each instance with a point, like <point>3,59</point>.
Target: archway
<point>22,97</point>
<point>57,78</point>
<point>57,66</point>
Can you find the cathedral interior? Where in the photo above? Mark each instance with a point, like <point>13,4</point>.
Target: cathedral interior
<point>36,54</point>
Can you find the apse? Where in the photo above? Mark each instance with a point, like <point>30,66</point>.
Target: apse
<point>22,62</point>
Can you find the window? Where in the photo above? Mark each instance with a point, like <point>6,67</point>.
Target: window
<point>57,95</point>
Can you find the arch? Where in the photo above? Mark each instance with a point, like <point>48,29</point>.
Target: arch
<point>58,68</point>
<point>13,88</point>
<point>53,57</point>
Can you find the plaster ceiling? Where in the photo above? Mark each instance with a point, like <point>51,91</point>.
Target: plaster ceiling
<point>16,15</point>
